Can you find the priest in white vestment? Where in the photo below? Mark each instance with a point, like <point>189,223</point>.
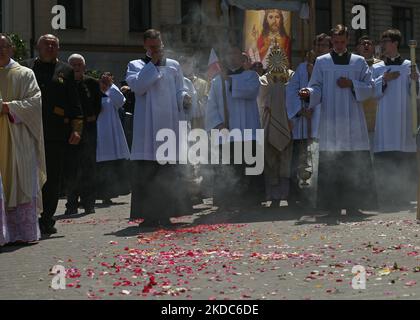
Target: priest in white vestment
<point>394,144</point>
<point>3,224</point>
<point>232,188</point>
<point>158,83</point>
<point>341,81</point>
<point>305,120</point>
<point>22,154</point>
<point>278,135</point>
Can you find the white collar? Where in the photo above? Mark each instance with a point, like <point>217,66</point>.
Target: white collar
<point>234,70</point>
<point>394,58</point>
<point>341,54</point>
<point>11,63</point>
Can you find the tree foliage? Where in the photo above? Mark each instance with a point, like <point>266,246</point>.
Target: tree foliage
<point>20,47</point>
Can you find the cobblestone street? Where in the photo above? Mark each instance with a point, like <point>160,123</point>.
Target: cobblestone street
<point>254,254</point>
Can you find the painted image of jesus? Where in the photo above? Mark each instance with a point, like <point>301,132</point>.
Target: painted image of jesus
<point>261,37</point>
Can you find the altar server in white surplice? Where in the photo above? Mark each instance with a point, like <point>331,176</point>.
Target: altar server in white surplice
<point>112,144</point>
<point>341,81</point>
<point>394,145</point>
<point>232,188</point>
<point>112,150</point>
<point>302,118</point>
<point>158,84</point>
<point>366,49</point>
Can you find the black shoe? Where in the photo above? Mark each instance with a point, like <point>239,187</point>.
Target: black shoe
<point>90,211</point>
<point>108,202</point>
<point>354,213</point>
<point>148,223</point>
<point>149,226</point>
<point>336,213</point>
<point>166,223</point>
<point>71,212</point>
<point>47,230</point>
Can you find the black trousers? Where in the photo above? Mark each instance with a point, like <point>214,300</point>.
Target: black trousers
<point>396,174</point>
<point>82,171</point>
<point>112,179</point>
<point>55,152</point>
<point>158,192</point>
<point>127,123</point>
<point>346,181</point>
<point>232,187</point>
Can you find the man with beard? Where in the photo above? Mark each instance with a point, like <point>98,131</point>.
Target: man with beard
<point>273,32</point>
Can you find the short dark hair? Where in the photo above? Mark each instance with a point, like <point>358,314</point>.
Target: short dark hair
<point>394,34</point>
<point>8,39</point>
<point>321,37</point>
<point>364,38</point>
<point>151,34</point>
<point>340,30</point>
<point>106,73</point>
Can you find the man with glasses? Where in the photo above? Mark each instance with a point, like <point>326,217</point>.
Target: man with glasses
<point>301,117</point>
<point>366,48</point>
<point>62,120</point>
<point>394,145</point>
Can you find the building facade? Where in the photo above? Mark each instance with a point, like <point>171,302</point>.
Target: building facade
<point>109,33</point>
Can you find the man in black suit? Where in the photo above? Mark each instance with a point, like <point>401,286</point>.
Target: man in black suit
<point>62,119</point>
<point>81,180</point>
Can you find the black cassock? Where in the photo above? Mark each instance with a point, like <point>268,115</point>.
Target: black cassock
<point>82,173</point>
<point>61,114</point>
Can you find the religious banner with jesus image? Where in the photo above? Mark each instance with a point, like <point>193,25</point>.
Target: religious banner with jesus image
<point>263,29</point>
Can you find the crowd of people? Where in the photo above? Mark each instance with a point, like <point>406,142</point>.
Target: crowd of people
<point>65,133</point>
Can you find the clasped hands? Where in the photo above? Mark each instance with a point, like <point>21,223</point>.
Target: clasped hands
<point>394,75</point>
<point>345,83</point>
<point>342,82</point>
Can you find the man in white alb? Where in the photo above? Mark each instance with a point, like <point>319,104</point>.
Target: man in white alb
<point>158,84</point>
<point>341,81</point>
